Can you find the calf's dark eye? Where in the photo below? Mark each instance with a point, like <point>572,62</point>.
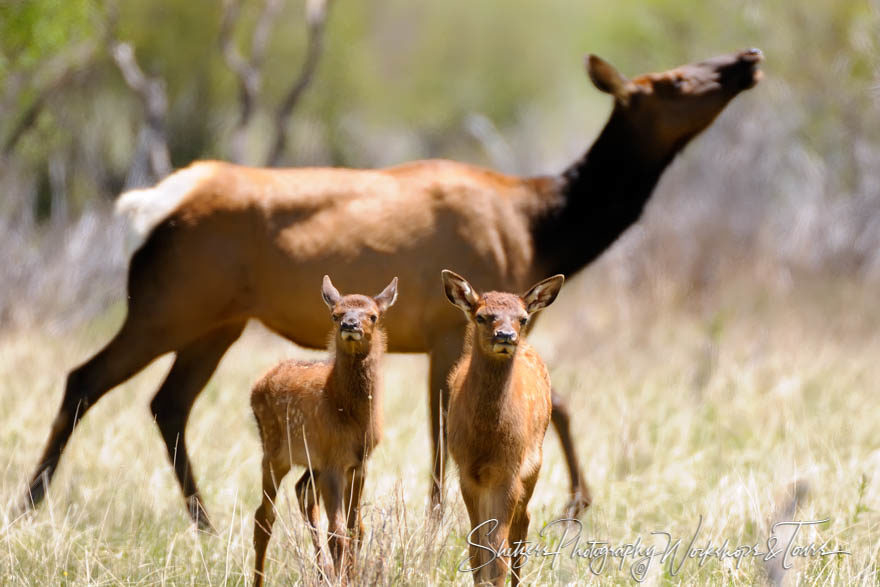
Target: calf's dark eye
<point>481,319</point>
<point>373,318</point>
<point>523,321</point>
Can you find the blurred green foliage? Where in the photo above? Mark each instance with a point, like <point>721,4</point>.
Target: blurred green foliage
<point>34,30</point>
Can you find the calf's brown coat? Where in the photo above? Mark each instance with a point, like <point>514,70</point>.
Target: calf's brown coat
<point>499,409</point>
<point>326,417</point>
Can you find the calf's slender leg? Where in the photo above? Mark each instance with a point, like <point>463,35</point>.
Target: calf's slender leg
<point>307,496</point>
<point>519,528</point>
<point>264,517</point>
<point>354,490</point>
<point>498,504</point>
<point>331,484</point>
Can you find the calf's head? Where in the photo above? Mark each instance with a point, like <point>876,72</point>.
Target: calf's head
<point>498,317</point>
<point>356,316</point>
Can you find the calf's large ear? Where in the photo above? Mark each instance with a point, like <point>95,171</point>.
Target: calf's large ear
<point>543,293</point>
<point>388,296</point>
<point>329,293</point>
<point>459,291</point>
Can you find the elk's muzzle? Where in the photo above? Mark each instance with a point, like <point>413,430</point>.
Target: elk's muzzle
<point>350,331</point>
<point>504,341</point>
<point>742,73</point>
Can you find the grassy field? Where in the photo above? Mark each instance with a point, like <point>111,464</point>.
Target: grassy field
<point>707,404</point>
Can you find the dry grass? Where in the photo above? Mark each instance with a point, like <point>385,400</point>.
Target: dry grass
<point>688,404</point>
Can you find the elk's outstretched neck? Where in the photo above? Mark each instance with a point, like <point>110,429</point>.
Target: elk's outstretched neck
<point>599,197</point>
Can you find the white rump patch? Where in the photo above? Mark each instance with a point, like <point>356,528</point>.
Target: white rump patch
<point>145,208</point>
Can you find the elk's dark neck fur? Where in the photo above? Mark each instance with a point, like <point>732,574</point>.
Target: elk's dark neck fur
<point>354,382</point>
<point>598,197</point>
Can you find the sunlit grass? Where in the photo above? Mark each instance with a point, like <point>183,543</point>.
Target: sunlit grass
<point>685,407</point>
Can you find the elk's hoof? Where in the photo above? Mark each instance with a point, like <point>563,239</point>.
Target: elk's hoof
<point>578,504</point>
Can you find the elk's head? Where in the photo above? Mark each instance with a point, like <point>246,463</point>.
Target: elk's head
<point>498,318</point>
<point>356,316</point>
<point>671,107</point>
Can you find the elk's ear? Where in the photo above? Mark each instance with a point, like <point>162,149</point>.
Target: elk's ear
<point>388,296</point>
<point>543,293</point>
<point>329,293</point>
<point>459,291</point>
<point>607,79</point>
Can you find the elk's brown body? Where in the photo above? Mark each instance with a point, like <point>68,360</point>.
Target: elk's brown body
<point>499,409</point>
<point>326,417</point>
<point>232,243</point>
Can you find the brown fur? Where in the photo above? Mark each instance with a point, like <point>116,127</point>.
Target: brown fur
<point>499,410</point>
<point>245,243</point>
<point>326,417</point>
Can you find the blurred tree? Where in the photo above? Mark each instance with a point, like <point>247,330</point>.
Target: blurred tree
<point>248,70</point>
<point>39,56</point>
<point>495,82</point>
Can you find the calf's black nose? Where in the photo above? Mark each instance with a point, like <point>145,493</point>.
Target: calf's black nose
<point>505,336</point>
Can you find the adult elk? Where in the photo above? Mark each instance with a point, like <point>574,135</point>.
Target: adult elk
<point>230,243</point>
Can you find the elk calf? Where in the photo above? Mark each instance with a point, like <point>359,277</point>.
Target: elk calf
<point>326,416</point>
<point>499,409</point>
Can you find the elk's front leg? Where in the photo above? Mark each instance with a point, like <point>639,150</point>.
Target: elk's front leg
<point>331,484</point>
<point>353,492</point>
<point>307,496</point>
<point>520,527</point>
<point>498,505</point>
<point>471,500</point>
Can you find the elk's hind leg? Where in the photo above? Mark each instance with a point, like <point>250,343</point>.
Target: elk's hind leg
<point>171,406</point>
<point>130,350</point>
<point>445,351</point>
<point>580,491</point>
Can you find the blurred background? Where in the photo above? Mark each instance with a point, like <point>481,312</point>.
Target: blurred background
<point>719,359</point>
<point>785,186</point>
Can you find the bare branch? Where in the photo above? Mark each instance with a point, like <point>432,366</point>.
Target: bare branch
<point>231,15</point>
<point>234,59</point>
<point>316,18</point>
<point>260,41</point>
<point>249,72</point>
<point>134,76</point>
<point>151,161</point>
